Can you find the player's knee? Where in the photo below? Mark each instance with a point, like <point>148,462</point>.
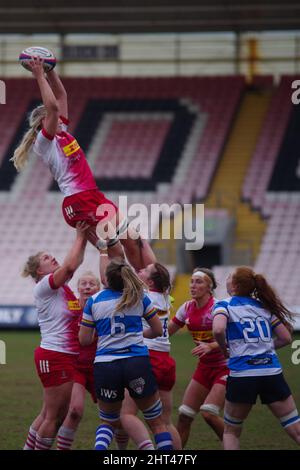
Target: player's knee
<point>232,425</point>
<point>209,412</point>
<point>76,413</point>
<point>153,412</point>
<point>186,413</point>
<point>291,423</point>
<point>110,418</point>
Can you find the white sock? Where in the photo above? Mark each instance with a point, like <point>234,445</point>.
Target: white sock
<point>43,443</point>
<point>122,439</point>
<point>146,445</point>
<point>30,441</point>
<point>65,438</point>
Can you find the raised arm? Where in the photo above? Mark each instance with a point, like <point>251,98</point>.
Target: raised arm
<point>48,97</point>
<point>59,92</point>
<point>73,259</point>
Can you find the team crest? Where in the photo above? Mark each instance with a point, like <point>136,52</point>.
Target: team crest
<point>137,385</point>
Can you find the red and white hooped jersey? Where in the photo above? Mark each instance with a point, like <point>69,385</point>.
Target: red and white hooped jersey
<point>66,160</point>
<point>199,322</point>
<point>58,316</point>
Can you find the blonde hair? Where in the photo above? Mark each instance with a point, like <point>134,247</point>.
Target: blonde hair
<point>21,153</point>
<point>91,274</point>
<point>120,277</point>
<point>32,265</point>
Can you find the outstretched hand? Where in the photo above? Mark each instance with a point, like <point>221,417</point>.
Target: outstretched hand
<point>201,349</point>
<point>82,228</point>
<point>36,66</point>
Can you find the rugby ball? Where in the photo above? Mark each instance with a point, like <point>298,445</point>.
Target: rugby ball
<point>49,60</point>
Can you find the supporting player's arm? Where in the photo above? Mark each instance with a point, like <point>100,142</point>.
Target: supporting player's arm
<point>73,259</point>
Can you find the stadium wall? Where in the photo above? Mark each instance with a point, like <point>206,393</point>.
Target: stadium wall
<point>249,53</point>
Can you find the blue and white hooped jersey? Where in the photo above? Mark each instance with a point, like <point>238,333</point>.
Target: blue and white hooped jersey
<point>120,334</point>
<point>249,337</point>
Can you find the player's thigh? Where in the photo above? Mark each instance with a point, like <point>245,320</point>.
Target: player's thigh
<point>57,399</point>
<point>238,411</point>
<point>283,408</point>
<point>216,396</point>
<point>128,406</point>
<point>194,395</point>
<point>78,396</point>
<point>167,405</point>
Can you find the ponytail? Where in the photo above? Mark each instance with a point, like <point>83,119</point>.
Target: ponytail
<point>270,300</point>
<point>120,277</point>
<point>21,154</point>
<point>249,284</point>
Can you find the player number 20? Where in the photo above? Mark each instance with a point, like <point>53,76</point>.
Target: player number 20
<point>257,324</point>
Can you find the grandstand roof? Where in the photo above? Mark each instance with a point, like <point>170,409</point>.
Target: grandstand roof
<point>134,16</point>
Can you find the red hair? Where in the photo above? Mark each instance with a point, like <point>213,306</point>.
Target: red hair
<point>249,284</point>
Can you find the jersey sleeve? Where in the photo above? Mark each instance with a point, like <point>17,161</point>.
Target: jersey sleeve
<point>87,316</point>
<point>149,311</point>
<point>45,287</point>
<point>43,144</point>
<point>275,322</point>
<point>180,316</point>
<point>221,308</point>
<point>65,122</point>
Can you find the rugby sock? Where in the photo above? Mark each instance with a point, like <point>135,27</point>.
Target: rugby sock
<point>65,438</point>
<point>104,435</point>
<point>43,443</point>
<point>146,445</point>
<point>30,441</point>
<point>163,441</point>
<point>122,439</point>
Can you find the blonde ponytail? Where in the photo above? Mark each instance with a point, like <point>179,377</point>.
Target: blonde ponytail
<point>120,277</point>
<point>21,154</point>
<point>133,289</point>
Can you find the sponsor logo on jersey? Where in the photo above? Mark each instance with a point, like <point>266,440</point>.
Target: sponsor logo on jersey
<point>202,335</point>
<point>71,148</point>
<point>137,385</point>
<point>73,305</point>
<point>260,361</point>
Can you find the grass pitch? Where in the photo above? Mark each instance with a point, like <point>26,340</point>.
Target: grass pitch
<point>21,399</point>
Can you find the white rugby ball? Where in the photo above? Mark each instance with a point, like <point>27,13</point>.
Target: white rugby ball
<point>49,60</point>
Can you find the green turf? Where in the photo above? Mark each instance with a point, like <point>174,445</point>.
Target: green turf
<point>21,394</point>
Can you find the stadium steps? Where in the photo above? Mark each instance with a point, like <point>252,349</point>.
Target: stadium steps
<point>228,181</point>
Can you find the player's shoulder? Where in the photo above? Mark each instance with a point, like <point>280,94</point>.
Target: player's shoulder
<point>223,302</point>
<point>105,295</point>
